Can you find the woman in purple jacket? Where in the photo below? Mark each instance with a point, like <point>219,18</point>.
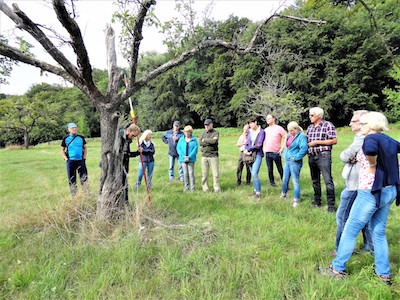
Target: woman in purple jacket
<point>148,159</point>
<point>254,143</point>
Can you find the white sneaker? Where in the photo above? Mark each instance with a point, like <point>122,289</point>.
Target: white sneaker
<point>295,204</point>
<point>283,196</point>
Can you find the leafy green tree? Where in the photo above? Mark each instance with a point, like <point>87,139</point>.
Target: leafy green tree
<point>393,98</point>
<point>21,114</point>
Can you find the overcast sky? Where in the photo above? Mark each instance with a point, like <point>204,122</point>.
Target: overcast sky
<point>94,15</point>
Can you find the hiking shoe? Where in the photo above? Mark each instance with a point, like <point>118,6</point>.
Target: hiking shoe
<point>331,272</point>
<point>331,210</point>
<point>272,184</point>
<point>295,204</point>
<point>257,196</point>
<point>283,196</point>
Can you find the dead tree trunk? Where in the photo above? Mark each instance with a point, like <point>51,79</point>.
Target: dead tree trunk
<point>110,202</point>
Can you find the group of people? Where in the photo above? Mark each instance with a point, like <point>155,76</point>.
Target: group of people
<point>371,170</point>
<point>183,147</point>
<point>371,174</point>
<point>274,143</point>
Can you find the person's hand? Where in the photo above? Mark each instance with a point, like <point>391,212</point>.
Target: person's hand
<point>292,158</point>
<point>186,158</point>
<point>353,160</point>
<point>66,159</point>
<point>140,149</point>
<point>313,144</point>
<point>175,138</point>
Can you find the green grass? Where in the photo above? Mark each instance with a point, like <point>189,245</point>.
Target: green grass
<point>190,246</point>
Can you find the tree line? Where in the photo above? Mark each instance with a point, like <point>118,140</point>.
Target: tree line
<point>340,66</point>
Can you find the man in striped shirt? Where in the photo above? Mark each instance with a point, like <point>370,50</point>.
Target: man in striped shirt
<point>321,135</point>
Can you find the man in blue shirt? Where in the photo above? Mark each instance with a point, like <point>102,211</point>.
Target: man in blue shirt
<point>73,150</point>
<point>171,138</point>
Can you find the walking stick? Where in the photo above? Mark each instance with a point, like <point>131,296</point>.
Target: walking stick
<point>138,143</point>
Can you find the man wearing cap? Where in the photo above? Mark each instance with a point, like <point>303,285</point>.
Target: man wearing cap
<point>171,138</point>
<point>209,148</point>
<point>73,150</point>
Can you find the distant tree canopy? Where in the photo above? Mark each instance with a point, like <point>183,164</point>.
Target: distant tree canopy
<point>340,66</point>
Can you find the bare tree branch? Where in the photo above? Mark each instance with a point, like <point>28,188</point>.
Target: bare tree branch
<point>18,55</point>
<point>208,44</point>
<point>137,38</point>
<point>25,23</point>
<point>258,31</point>
<point>113,76</point>
<point>77,44</point>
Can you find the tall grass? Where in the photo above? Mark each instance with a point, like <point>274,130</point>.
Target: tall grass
<point>190,246</point>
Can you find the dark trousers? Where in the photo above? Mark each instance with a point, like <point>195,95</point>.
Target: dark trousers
<point>322,163</point>
<point>270,158</point>
<point>239,171</point>
<point>74,166</point>
<point>126,189</point>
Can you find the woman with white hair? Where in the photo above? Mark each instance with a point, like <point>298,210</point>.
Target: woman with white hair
<point>148,159</point>
<point>187,150</point>
<point>378,187</point>
<point>295,149</point>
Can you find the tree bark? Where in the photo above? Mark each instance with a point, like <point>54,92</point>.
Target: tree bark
<point>26,138</point>
<point>110,202</point>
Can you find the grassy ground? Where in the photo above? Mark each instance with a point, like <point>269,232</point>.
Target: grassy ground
<point>191,246</point>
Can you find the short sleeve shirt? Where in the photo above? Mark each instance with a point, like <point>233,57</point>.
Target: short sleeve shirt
<point>273,138</point>
<point>75,146</point>
<point>365,179</point>
<point>324,131</point>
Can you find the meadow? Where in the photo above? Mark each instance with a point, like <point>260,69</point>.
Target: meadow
<point>190,246</point>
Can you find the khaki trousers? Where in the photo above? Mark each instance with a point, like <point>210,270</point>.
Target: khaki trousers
<point>206,163</point>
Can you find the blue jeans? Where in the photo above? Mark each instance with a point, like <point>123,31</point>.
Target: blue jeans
<point>364,210</point>
<point>255,168</point>
<point>292,169</point>
<point>148,166</point>
<point>346,202</point>
<point>171,168</point>
<point>270,158</point>
<point>322,163</point>
<point>74,166</point>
